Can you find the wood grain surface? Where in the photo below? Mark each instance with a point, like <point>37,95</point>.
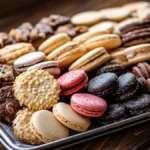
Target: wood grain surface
<point>135,138</point>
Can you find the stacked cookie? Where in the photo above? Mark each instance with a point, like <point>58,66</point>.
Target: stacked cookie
<point>65,71</point>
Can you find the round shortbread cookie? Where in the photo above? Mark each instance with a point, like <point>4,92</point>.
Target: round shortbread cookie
<point>86,18</point>
<point>36,89</point>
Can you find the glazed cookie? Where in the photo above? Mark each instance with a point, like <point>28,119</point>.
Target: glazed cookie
<point>10,53</point>
<point>22,129</point>
<point>54,42</point>
<point>86,18</point>
<point>69,118</point>
<point>114,113</point>
<point>142,70</point>
<point>103,85</point>
<point>91,60</point>
<point>108,41</point>
<point>36,89</point>
<point>9,105</point>
<point>140,104</point>
<point>6,75</point>
<point>46,127</point>
<point>117,69</point>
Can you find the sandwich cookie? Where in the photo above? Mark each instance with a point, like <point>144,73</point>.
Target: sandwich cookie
<point>22,129</point>
<point>128,86</point>
<point>22,63</point>
<point>67,54</point>
<point>117,69</point>
<point>108,41</point>
<point>50,66</point>
<point>9,105</point>
<point>115,14</point>
<point>46,127</point>
<point>36,89</point>
<point>86,18</point>
<point>72,82</point>
<point>69,118</point>
<point>88,104</point>
<point>142,70</point>
<point>10,53</point>
<point>114,113</point>
<point>88,35</point>
<point>91,60</point>
<point>103,26</point>
<point>53,42</point>
<point>138,105</point>
<point>103,85</point>
<point>138,53</point>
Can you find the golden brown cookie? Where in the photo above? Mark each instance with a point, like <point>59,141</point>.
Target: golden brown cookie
<point>36,89</point>
<point>22,130</point>
<point>11,52</point>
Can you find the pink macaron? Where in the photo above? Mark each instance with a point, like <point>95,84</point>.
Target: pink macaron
<point>88,104</point>
<point>72,81</point>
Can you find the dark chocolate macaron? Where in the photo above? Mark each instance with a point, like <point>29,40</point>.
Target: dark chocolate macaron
<point>103,85</point>
<point>117,69</point>
<point>138,105</point>
<point>142,70</point>
<point>128,86</point>
<point>9,106</point>
<point>114,113</point>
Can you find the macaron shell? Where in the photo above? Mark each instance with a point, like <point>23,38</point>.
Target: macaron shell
<point>68,117</point>
<point>46,127</point>
<point>29,59</point>
<point>88,35</point>
<point>91,60</point>
<point>88,104</point>
<point>108,41</point>
<point>54,42</point>
<point>51,66</point>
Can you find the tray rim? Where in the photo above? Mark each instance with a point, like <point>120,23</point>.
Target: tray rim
<point>6,137</point>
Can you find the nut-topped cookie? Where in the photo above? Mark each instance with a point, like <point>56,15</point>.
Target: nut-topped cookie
<point>36,89</point>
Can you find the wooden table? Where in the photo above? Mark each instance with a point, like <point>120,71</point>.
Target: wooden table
<point>14,13</point>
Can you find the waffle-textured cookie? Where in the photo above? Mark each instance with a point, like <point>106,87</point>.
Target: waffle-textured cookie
<point>10,53</point>
<point>36,89</point>
<point>22,130</point>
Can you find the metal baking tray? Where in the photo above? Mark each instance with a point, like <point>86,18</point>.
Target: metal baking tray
<point>8,139</point>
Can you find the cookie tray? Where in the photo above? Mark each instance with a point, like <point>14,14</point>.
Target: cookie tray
<point>8,139</point>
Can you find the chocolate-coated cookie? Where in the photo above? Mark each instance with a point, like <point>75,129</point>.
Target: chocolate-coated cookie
<point>9,106</point>
<point>147,83</point>
<point>118,69</point>
<point>103,84</point>
<point>6,75</point>
<point>142,85</point>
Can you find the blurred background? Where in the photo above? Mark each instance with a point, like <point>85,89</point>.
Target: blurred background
<point>15,12</point>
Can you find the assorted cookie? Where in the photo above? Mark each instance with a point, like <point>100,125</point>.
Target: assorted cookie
<point>57,74</point>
